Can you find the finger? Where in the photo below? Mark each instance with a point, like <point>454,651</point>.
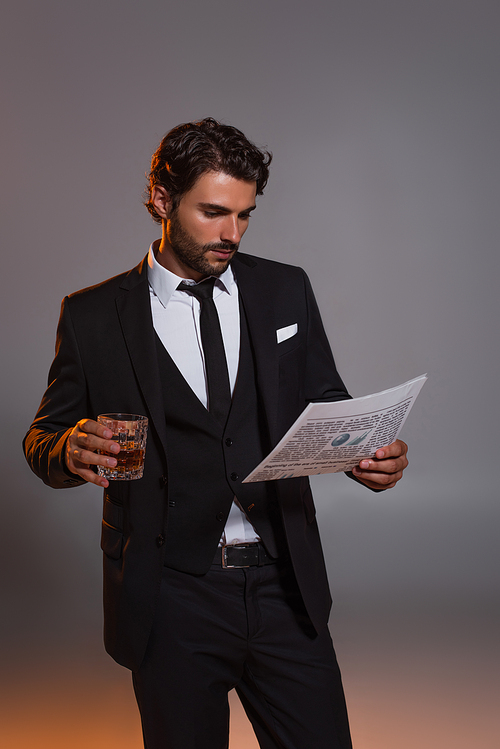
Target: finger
<point>396,449</point>
<point>386,469</point>
<point>81,440</point>
<point>378,480</point>
<point>383,466</point>
<point>390,467</point>
<point>85,470</point>
<point>378,487</point>
<point>83,457</point>
<point>81,448</point>
<point>89,426</point>
<point>368,468</point>
<point>92,478</point>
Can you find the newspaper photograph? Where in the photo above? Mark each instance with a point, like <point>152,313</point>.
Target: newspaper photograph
<point>333,437</point>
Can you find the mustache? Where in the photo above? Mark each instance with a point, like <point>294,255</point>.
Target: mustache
<point>227,246</point>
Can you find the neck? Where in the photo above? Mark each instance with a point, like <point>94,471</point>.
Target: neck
<point>165,255</point>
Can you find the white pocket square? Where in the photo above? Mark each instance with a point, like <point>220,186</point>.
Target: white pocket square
<point>283,333</point>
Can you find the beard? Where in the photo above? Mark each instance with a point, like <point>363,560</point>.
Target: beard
<point>192,254</point>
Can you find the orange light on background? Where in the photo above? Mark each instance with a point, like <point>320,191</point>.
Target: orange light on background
<point>397,700</point>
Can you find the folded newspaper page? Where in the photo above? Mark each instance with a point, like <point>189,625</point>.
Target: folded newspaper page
<point>332,437</point>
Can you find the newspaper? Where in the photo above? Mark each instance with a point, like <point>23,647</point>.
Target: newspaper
<point>332,437</point>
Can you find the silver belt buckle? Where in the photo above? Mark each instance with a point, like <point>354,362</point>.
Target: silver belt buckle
<point>228,566</point>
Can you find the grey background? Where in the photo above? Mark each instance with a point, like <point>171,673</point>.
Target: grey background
<point>384,119</point>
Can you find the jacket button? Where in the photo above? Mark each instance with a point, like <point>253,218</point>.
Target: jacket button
<point>228,441</point>
<point>160,540</point>
<point>220,516</point>
<point>234,477</point>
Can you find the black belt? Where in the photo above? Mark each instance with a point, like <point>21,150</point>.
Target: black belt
<point>236,556</point>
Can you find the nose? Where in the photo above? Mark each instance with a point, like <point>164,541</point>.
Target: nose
<point>231,231</point>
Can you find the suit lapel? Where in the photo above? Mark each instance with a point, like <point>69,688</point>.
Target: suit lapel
<point>259,310</point>
<point>134,310</point>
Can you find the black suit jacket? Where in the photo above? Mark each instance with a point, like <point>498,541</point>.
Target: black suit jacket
<point>106,361</point>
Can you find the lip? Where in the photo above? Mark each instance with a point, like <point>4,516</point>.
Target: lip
<point>222,254</point>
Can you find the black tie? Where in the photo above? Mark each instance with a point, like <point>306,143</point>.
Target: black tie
<point>219,391</point>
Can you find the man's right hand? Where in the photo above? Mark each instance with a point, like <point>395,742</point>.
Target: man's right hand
<point>83,441</point>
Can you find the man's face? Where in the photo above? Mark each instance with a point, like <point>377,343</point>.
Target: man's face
<point>204,231</point>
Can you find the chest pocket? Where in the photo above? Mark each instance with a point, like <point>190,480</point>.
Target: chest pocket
<point>291,340</point>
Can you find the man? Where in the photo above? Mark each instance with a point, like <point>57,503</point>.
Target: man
<point>209,583</point>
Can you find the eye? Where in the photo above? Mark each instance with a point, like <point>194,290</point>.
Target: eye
<point>210,214</point>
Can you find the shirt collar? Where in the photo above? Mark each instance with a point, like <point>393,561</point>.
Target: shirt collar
<point>164,282</point>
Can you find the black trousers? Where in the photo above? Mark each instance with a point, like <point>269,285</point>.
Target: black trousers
<point>242,628</point>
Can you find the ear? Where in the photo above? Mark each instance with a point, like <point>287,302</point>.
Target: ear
<point>161,201</point>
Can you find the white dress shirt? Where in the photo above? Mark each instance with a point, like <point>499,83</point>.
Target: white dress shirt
<point>176,320</point>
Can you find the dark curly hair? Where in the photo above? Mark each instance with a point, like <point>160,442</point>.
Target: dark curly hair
<point>190,150</point>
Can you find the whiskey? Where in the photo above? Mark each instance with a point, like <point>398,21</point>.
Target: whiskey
<point>129,432</point>
<point>128,460</point>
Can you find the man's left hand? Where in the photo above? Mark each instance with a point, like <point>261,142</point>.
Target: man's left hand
<point>385,469</point>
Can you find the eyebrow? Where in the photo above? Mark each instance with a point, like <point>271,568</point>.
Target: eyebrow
<point>215,207</point>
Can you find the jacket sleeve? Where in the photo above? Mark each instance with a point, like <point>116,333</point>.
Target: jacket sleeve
<point>323,383</point>
<point>63,404</point>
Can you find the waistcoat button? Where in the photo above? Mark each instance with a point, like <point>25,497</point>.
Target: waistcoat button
<point>163,481</point>
<point>160,540</point>
<point>234,477</point>
<point>229,442</point>
<point>220,516</point>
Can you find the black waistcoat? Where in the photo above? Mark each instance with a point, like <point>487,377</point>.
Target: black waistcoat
<point>206,465</point>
